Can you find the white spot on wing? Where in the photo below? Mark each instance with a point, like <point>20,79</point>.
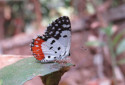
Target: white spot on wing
<point>56,24</point>
<point>38,39</point>
<point>59,21</point>
<point>68,26</point>
<point>63,20</point>
<point>53,28</point>
<point>59,28</point>
<point>57,32</point>
<point>51,32</point>
<point>64,25</point>
<point>37,45</point>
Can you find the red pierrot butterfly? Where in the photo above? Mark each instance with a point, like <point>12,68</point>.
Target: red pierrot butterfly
<point>54,44</point>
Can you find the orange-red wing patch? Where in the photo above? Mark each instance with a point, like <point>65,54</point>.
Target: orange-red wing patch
<point>36,48</point>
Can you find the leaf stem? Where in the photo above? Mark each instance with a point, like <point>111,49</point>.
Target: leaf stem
<point>113,58</point>
<point>54,78</point>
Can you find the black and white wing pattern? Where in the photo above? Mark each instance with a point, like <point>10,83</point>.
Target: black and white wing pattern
<point>57,40</point>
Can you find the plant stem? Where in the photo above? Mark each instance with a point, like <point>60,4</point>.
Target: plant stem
<point>54,78</point>
<point>113,58</point>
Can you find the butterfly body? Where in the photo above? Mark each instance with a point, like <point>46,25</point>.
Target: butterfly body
<point>55,43</point>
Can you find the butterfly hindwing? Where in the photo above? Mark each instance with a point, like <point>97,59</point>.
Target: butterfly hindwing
<point>52,49</point>
<point>36,48</point>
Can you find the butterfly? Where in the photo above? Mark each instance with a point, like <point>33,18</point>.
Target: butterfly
<point>54,44</point>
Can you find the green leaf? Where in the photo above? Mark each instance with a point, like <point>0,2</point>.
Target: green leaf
<point>117,37</point>
<point>26,69</point>
<point>108,31</point>
<point>90,8</point>
<point>120,47</point>
<point>1,82</point>
<point>94,43</point>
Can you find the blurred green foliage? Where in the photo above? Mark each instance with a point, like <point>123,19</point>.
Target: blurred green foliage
<point>114,41</point>
<point>120,47</point>
<point>25,15</point>
<point>94,43</point>
<point>1,82</point>
<point>116,3</point>
<point>49,8</point>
